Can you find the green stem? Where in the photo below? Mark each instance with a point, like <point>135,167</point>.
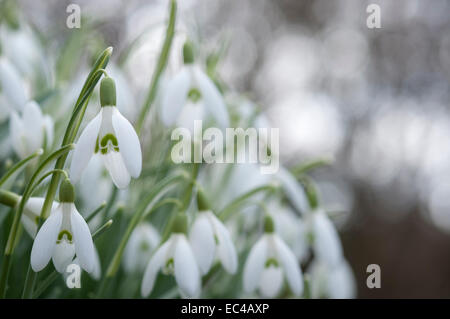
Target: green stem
<point>162,62</point>
<point>305,167</point>
<point>95,212</point>
<point>231,208</point>
<point>8,198</point>
<point>20,164</point>
<point>16,222</point>
<point>74,124</point>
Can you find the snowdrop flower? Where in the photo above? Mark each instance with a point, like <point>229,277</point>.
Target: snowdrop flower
<point>12,86</point>
<point>209,237</point>
<point>31,213</point>
<point>269,261</point>
<point>176,257</point>
<point>291,228</point>
<point>144,239</point>
<point>332,282</point>
<point>64,235</point>
<point>31,131</point>
<point>191,95</point>
<point>110,136</point>
<point>325,239</point>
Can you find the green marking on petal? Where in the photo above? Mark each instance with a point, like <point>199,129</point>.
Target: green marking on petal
<point>216,239</point>
<point>61,235</point>
<point>168,268</point>
<point>96,146</point>
<point>107,140</point>
<point>271,262</point>
<point>194,95</point>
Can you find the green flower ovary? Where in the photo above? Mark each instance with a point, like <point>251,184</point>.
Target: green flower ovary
<point>107,141</point>
<point>194,95</point>
<point>271,262</point>
<point>63,233</point>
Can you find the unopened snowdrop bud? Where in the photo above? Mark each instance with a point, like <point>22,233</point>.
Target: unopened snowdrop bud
<point>325,239</point>
<point>210,239</point>
<point>112,137</point>
<point>175,256</point>
<point>63,235</point>
<point>29,132</point>
<point>269,261</point>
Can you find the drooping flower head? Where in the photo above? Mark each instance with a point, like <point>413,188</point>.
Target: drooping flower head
<point>31,131</point>
<point>110,136</point>
<point>210,238</point>
<point>192,95</point>
<point>269,262</point>
<point>175,256</point>
<point>63,235</point>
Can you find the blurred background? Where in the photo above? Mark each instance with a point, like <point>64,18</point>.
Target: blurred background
<point>376,101</point>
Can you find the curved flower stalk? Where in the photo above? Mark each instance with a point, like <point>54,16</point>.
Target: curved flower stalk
<point>31,131</point>
<point>110,136</point>
<point>12,87</point>
<point>332,282</point>
<point>325,239</point>
<point>175,256</point>
<point>143,241</point>
<point>192,95</point>
<point>269,262</point>
<point>210,238</point>
<point>63,235</point>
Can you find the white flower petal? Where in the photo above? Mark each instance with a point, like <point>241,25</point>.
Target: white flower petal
<point>82,238</point>
<point>32,211</point>
<point>49,129</point>
<point>212,98</point>
<point>33,122</point>
<point>17,133</point>
<point>129,144</point>
<point>63,255</point>
<point>85,147</point>
<point>290,265</point>
<point>341,282</point>
<point>156,262</point>
<point>271,281</point>
<point>12,84</point>
<point>45,241</point>
<point>255,264</point>
<point>174,97</point>
<point>116,167</point>
<point>97,270</point>
<point>327,245</point>
<point>225,249</point>
<point>294,191</point>
<point>186,269</point>
<point>202,241</point>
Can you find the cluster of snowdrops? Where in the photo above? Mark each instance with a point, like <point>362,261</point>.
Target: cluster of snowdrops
<point>90,187</point>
